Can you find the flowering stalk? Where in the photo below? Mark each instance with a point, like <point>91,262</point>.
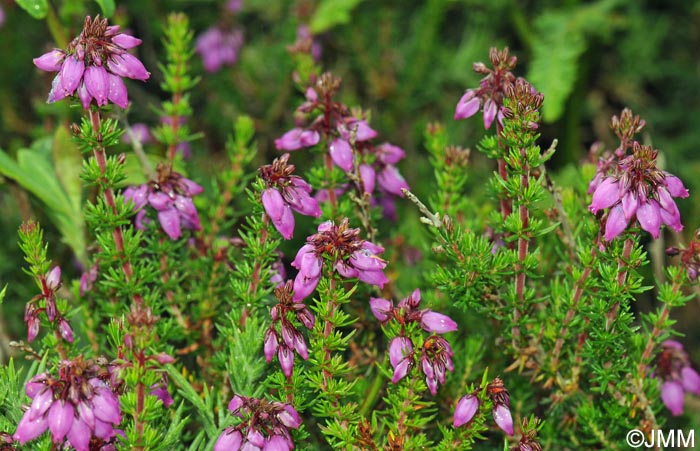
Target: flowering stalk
<point>173,131</point>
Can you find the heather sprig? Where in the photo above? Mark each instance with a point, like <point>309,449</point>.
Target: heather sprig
<point>173,132</point>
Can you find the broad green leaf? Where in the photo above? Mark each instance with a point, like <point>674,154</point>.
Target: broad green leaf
<point>68,163</point>
<point>36,8</point>
<point>107,7</point>
<point>562,37</point>
<point>33,172</point>
<point>331,13</point>
<point>554,66</point>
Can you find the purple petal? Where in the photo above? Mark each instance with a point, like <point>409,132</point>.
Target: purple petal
<point>503,418</point>
<point>690,380</point>
<point>615,224</point>
<point>437,322</point>
<point>36,385</point>
<point>363,132</point>
<point>304,286</point>
<point>97,83</point>
<point>235,404</point>
<point>126,41</point>
<point>346,270</point>
<point>71,73</point>
<point>289,417</point>
<point>255,437</point>
<point>270,344</point>
<point>401,370</point>
<point>300,345</point>
<point>467,106</point>
<point>607,193</point>
<point>465,410</point>
<point>161,392</point>
<point>365,260</point>
<point>104,430</point>
<point>273,203</point>
<point>376,278</point>
<point>285,224</point>
<point>127,65</point>
<point>381,308</point>
<point>60,419</point>
<point>53,278</point>
<point>309,138</point>
<point>310,265</point>
<point>86,414</point>
<point>649,217</point>
<point>368,177</point>
<point>79,435</point>
<point>390,154</point>
<point>341,154</point>
<point>290,140</point>
<point>391,180</point>
<point>106,406</point>
<point>276,443</point>
<point>170,222</point>
<point>84,96</point>
<point>30,429</point>
<point>305,249</point>
<point>229,441</point>
<point>399,349</point>
<point>188,212</point>
<point>286,358</point>
<point>40,404</point>
<point>138,195</point>
<point>490,110</point>
<point>674,344</point>
<point>65,330</point>
<point>630,203</point>
<point>116,91</point>
<point>672,396</point>
<point>57,92</point>
<point>675,185</point>
<point>190,187</point>
<point>300,200</point>
<point>50,61</point>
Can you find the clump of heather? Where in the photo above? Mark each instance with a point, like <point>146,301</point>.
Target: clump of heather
<point>221,297</point>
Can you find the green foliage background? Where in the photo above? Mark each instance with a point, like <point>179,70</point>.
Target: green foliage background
<point>407,61</point>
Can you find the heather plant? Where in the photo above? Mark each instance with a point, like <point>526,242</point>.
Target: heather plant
<point>306,297</point>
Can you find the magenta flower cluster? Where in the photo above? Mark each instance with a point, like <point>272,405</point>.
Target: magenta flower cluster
<point>219,48</point>
<point>283,342</point>
<point>637,191</point>
<point>285,192</point>
<point>468,405</point>
<point>50,283</point>
<point>75,407</point>
<point>435,353</point>
<point>488,97</point>
<point>171,196</point>
<point>341,247</point>
<point>349,141</point>
<point>93,65</point>
<point>673,367</point>
<point>264,425</point>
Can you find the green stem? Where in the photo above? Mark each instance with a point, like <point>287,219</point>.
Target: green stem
<point>55,28</point>
<point>372,394</point>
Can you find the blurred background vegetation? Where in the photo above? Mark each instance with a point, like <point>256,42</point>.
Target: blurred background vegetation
<point>407,61</point>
